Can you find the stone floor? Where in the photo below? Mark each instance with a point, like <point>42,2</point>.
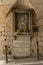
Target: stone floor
<point>27,61</point>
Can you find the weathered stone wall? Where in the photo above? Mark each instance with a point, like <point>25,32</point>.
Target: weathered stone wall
<point>38,6</point>
<point>6,25</point>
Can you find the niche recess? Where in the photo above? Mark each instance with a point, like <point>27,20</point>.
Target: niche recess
<point>24,21</point>
<point>24,24</point>
<point>24,17</point>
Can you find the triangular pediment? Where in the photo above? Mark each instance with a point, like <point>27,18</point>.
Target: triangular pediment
<point>21,5</point>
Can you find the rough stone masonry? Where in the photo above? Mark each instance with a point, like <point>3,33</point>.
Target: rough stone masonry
<point>6,25</point>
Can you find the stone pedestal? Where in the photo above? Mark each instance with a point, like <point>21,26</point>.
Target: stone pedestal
<point>22,46</point>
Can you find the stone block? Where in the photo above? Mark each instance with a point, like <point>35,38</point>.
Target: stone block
<point>21,43</point>
<point>19,52</point>
<point>23,37</point>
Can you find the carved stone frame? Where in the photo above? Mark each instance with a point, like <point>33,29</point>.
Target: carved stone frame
<point>30,19</point>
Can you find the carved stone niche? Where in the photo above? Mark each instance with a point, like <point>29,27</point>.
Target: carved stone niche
<point>23,22</point>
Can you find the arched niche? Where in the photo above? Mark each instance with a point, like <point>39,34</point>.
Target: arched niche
<point>24,21</point>
<point>24,17</point>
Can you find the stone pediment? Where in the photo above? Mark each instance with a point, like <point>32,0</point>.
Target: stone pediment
<point>21,5</point>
